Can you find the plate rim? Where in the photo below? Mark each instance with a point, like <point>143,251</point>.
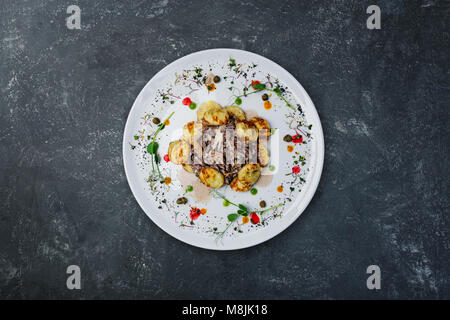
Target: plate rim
<point>309,195</point>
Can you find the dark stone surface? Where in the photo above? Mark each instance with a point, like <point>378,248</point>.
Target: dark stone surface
<point>383,97</point>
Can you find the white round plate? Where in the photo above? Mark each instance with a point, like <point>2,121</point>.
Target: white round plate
<point>292,112</point>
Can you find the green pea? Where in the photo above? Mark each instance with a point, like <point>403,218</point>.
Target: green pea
<point>192,106</point>
<point>254,191</point>
<point>189,188</point>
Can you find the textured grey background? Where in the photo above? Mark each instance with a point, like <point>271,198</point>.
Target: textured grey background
<point>383,97</point>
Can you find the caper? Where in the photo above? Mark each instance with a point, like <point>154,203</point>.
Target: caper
<point>181,200</point>
<point>262,204</point>
<point>265,97</point>
<point>156,120</point>
<point>216,79</point>
<point>287,138</point>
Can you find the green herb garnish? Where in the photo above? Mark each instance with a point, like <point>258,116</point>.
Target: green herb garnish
<point>242,211</point>
<point>152,149</point>
<point>260,87</point>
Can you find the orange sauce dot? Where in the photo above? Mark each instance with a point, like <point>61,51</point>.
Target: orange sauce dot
<point>290,148</point>
<point>203,211</point>
<point>167,180</point>
<point>267,105</point>
<point>245,220</point>
<point>211,87</point>
<point>167,122</point>
<point>280,189</point>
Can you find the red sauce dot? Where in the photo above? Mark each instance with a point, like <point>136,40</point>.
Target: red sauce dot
<point>187,101</point>
<point>254,218</point>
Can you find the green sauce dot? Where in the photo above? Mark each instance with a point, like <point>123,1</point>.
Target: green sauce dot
<point>254,191</point>
<point>226,203</point>
<point>272,167</point>
<point>192,106</point>
<point>189,188</point>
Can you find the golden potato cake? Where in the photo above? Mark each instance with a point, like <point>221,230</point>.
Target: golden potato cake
<point>205,107</point>
<point>240,186</point>
<point>216,117</point>
<point>262,125</point>
<point>249,173</point>
<point>211,177</point>
<point>236,112</point>
<point>247,130</point>
<point>191,128</point>
<point>178,151</point>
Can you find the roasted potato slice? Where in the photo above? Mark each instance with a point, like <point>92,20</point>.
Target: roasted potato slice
<point>249,173</point>
<point>211,177</point>
<point>205,107</point>
<point>262,125</point>
<point>246,129</point>
<point>187,167</point>
<point>263,155</point>
<point>239,186</point>
<point>191,128</point>
<point>178,151</point>
<point>236,112</point>
<point>216,117</point>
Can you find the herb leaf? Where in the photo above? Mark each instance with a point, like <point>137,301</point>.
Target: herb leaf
<point>241,206</point>
<point>277,90</point>
<point>243,212</point>
<point>233,216</point>
<point>259,86</point>
<point>152,147</point>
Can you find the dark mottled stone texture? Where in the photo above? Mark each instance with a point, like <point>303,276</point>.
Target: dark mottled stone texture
<point>383,97</point>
